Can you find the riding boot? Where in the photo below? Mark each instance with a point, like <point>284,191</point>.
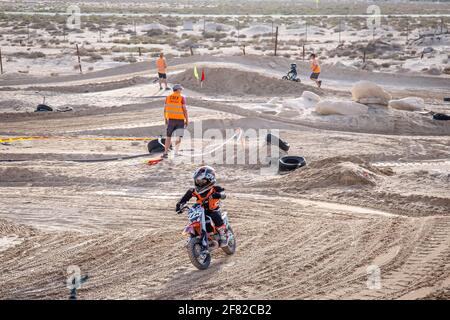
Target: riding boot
<point>223,236</point>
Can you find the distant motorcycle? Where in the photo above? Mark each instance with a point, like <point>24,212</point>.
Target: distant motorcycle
<point>291,77</point>
<point>204,236</point>
<point>292,74</point>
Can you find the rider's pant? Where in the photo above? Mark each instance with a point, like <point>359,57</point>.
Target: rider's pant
<point>216,217</point>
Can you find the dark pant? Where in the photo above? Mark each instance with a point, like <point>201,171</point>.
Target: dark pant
<point>315,75</point>
<point>174,125</point>
<point>216,217</point>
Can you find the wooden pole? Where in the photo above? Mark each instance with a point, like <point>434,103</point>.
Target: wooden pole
<point>192,51</point>
<point>64,32</point>
<point>276,41</point>
<point>1,62</point>
<point>140,52</point>
<point>364,56</point>
<point>304,52</point>
<point>28,31</point>
<point>79,59</point>
<point>243,49</point>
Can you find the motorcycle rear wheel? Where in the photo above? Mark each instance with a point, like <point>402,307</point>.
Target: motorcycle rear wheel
<point>194,248</point>
<point>231,247</point>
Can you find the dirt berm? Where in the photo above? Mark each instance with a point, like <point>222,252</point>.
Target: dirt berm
<point>226,81</point>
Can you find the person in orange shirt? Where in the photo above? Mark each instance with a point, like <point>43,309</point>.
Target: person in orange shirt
<point>161,65</point>
<point>176,118</point>
<point>315,68</point>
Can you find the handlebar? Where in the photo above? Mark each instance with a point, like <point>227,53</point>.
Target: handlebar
<point>183,208</point>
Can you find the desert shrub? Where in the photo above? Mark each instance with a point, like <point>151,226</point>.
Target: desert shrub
<point>129,59</point>
<point>29,55</point>
<point>51,27</point>
<point>155,32</point>
<point>93,57</point>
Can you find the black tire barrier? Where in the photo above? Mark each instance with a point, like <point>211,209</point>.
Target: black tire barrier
<point>441,116</point>
<point>271,139</point>
<point>43,107</point>
<point>447,99</point>
<point>157,145</point>
<point>290,163</point>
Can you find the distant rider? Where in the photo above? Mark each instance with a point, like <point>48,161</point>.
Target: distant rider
<point>292,74</point>
<point>315,70</point>
<point>208,194</point>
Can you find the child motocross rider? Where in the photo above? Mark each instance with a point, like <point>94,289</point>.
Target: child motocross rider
<point>209,195</point>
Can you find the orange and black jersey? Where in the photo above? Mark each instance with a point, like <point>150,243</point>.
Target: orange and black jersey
<point>213,201</point>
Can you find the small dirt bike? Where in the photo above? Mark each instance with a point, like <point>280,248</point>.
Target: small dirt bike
<point>291,77</point>
<point>204,236</point>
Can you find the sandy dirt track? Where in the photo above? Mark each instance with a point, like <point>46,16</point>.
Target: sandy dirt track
<point>373,194</point>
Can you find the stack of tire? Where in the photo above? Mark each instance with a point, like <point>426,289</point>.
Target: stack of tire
<point>157,145</point>
<point>43,108</point>
<point>285,163</point>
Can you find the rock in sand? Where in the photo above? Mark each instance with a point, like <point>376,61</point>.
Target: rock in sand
<point>367,92</point>
<point>329,107</point>
<point>408,104</point>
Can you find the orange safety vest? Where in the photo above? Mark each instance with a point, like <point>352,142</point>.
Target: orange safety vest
<point>213,203</point>
<point>315,67</point>
<point>174,107</point>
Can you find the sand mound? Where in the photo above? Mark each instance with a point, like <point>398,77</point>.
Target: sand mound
<point>408,104</point>
<point>367,92</point>
<point>257,30</point>
<point>7,229</point>
<point>329,107</point>
<point>339,175</point>
<point>307,100</point>
<point>235,82</point>
<point>335,172</point>
<point>16,105</point>
<point>14,174</point>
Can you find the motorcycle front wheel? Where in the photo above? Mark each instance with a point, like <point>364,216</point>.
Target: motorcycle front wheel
<point>199,257</point>
<point>231,247</point>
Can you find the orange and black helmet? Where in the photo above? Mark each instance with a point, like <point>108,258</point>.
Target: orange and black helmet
<point>204,179</point>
